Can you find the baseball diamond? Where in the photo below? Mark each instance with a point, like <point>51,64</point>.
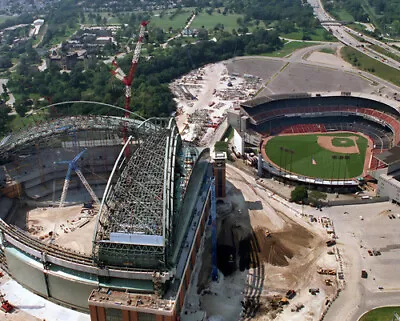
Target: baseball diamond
<point>339,155</point>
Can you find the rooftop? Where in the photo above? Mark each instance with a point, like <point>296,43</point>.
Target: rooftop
<point>130,301</point>
<point>390,156</point>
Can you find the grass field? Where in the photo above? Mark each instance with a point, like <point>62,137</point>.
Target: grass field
<point>385,52</point>
<point>4,18</point>
<point>288,48</point>
<point>306,149</point>
<point>328,51</point>
<point>380,314</point>
<point>209,21</point>
<point>318,34</point>
<point>178,21</point>
<point>366,63</point>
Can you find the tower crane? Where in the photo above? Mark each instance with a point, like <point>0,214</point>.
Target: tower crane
<point>127,79</point>
<point>72,165</point>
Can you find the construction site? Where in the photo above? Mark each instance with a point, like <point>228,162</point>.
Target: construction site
<point>205,95</point>
<point>125,218</point>
<point>69,190</point>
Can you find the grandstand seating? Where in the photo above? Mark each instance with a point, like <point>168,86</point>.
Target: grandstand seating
<point>391,121</point>
<point>304,128</point>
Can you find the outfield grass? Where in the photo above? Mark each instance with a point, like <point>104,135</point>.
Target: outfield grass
<point>381,314</point>
<point>306,149</point>
<point>371,65</point>
<point>289,48</point>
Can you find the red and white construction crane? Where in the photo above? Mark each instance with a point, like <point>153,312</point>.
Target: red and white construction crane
<point>127,79</point>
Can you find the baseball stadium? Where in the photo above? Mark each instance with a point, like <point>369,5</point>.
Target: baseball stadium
<point>323,139</point>
<point>98,257</point>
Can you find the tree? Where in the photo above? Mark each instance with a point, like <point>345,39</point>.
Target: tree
<point>21,108</point>
<point>4,110</point>
<point>316,196</point>
<point>299,194</point>
<point>202,34</point>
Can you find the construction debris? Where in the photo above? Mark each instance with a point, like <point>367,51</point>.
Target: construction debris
<point>203,97</point>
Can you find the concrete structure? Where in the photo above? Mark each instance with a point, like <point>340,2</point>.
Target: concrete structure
<point>153,210</point>
<point>389,173</point>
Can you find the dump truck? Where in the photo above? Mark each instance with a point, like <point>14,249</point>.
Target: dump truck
<point>330,243</point>
<point>326,271</point>
<point>290,294</point>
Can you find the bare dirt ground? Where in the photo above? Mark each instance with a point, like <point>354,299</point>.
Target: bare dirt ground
<point>326,142</point>
<point>70,227</point>
<point>288,259</point>
<point>329,59</point>
<point>17,315</point>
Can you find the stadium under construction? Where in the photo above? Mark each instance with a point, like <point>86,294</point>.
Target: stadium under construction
<point>128,253</point>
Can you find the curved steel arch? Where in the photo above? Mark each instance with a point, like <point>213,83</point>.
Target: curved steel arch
<point>90,102</point>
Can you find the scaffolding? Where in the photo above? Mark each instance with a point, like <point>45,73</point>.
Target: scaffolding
<point>134,223</point>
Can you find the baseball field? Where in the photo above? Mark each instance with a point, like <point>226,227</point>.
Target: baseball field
<point>329,156</point>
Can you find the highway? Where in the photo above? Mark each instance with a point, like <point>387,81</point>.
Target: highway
<point>351,38</point>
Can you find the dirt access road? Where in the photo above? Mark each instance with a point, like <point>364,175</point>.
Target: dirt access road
<point>286,260</point>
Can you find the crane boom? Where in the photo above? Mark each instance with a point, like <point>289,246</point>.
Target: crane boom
<point>86,184</point>
<point>127,79</point>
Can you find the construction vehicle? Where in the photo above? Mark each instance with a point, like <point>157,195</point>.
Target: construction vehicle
<point>283,301</point>
<point>326,271</point>
<point>267,233</point>
<point>290,294</point>
<point>297,307</point>
<point>330,243</point>
<point>313,291</point>
<point>6,306</point>
<point>328,282</point>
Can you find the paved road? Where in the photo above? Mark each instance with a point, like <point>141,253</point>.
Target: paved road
<point>346,36</point>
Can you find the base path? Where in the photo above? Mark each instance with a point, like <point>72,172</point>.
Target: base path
<point>326,142</point>
<point>368,151</point>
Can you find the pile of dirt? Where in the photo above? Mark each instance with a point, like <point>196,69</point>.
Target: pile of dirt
<point>278,248</point>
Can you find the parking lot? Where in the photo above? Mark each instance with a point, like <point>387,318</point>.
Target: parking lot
<point>370,228</point>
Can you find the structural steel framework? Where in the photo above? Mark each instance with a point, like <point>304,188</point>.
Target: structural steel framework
<point>139,207</point>
<point>140,195</point>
